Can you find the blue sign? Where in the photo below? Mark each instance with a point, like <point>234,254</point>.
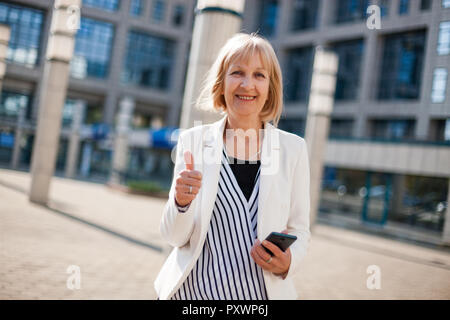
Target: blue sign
<point>100,131</point>
<point>164,138</point>
<point>6,140</point>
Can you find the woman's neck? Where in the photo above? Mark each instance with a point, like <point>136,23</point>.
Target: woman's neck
<point>243,139</point>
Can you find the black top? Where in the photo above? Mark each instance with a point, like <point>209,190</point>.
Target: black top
<point>245,173</point>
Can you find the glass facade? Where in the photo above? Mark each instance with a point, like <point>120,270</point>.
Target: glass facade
<point>351,10</point>
<point>384,7</point>
<point>295,126</point>
<point>425,5</point>
<point>149,60</point>
<point>11,103</point>
<point>304,14</point>
<point>109,5</point>
<point>403,7</point>
<point>298,71</point>
<point>446,3</point>
<point>92,52</point>
<point>158,10</point>
<point>341,128</point>
<point>350,55</point>
<point>268,17</point>
<point>178,15</point>
<point>401,200</point>
<point>26,29</point>
<point>443,47</point>
<point>136,7</point>
<point>402,65</point>
<point>440,76</point>
<point>392,129</point>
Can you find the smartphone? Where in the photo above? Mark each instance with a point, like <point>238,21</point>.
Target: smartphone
<point>281,240</point>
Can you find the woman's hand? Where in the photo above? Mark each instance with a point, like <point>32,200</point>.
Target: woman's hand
<point>186,179</point>
<point>280,262</point>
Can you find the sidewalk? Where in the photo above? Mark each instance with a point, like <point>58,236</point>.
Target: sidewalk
<point>114,239</point>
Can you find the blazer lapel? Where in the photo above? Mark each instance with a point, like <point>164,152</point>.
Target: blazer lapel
<point>270,162</point>
<point>212,145</point>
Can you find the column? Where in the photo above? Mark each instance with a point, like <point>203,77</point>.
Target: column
<point>216,21</point>
<point>120,152</point>
<point>52,97</point>
<point>74,139</point>
<point>321,100</point>
<point>5,33</point>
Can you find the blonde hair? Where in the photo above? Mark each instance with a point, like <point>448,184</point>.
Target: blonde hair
<point>243,46</point>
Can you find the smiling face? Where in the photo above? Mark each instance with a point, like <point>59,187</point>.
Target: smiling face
<point>246,87</point>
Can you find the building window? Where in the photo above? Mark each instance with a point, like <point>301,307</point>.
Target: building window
<point>402,65</point>
<point>26,28</point>
<point>446,3</point>
<point>178,15</point>
<point>392,129</point>
<point>351,10</point>
<point>350,57</point>
<point>268,17</point>
<point>425,5</point>
<point>159,10</point>
<point>298,74</point>
<point>295,126</point>
<point>11,103</point>
<point>440,130</point>
<point>149,60</point>
<point>439,85</point>
<point>384,7</point>
<point>92,49</point>
<point>403,7</point>
<point>109,5</point>
<point>444,38</point>
<point>136,7</point>
<point>341,128</point>
<point>304,14</point>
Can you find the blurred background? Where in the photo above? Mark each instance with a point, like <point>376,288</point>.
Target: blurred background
<point>387,160</point>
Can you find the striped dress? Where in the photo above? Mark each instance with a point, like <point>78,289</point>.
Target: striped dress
<point>225,270</point>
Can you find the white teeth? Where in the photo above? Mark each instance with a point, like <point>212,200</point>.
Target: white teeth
<point>246,98</point>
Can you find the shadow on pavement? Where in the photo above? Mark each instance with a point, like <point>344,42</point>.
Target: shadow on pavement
<point>86,222</point>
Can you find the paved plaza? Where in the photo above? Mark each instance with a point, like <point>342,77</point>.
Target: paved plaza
<point>113,239</point>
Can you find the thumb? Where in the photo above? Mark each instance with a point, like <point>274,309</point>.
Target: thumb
<point>189,160</point>
<point>285,231</point>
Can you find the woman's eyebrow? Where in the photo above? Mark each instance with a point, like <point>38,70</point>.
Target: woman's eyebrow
<point>240,67</point>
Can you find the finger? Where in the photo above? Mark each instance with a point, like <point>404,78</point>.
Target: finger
<point>189,182</point>
<point>273,248</point>
<point>189,160</point>
<point>262,253</point>
<point>258,260</point>
<point>194,174</point>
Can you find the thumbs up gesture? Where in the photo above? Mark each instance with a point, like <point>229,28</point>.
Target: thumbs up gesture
<point>188,182</point>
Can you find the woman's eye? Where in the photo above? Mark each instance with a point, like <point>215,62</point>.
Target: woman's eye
<point>260,75</point>
<point>236,72</point>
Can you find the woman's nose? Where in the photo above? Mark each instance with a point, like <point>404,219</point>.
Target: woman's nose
<point>247,83</point>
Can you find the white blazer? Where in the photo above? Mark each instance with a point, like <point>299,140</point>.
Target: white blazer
<point>283,203</point>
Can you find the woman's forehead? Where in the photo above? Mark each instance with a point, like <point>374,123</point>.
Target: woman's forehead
<point>249,60</point>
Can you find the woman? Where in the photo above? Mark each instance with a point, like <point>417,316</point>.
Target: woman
<point>236,181</point>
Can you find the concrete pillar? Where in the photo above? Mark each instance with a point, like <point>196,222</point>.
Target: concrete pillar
<point>74,139</point>
<point>216,21</point>
<point>321,99</point>
<point>120,153</point>
<point>18,137</point>
<point>52,97</point>
<point>446,232</point>
<point>5,33</point>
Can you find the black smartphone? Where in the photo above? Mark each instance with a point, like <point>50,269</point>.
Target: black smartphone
<point>281,240</point>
